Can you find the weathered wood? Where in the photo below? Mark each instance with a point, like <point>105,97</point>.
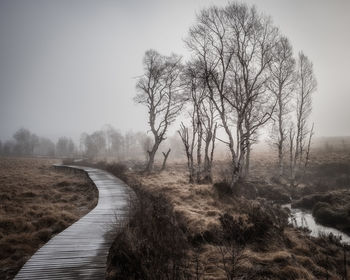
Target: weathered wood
<point>80,251</point>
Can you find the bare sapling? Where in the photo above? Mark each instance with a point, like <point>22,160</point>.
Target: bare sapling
<point>165,155</point>
<point>188,138</point>
<point>282,85</point>
<point>300,134</point>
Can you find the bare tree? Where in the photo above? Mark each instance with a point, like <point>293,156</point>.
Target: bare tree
<point>9,147</point>
<point>65,147</point>
<point>300,134</point>
<point>159,90</point>
<point>95,144</point>
<point>202,123</point>
<point>195,94</point>
<point>147,144</point>
<point>188,138</point>
<point>114,142</point>
<point>25,142</point>
<point>165,155</point>
<point>235,45</point>
<point>282,84</point>
<point>45,147</point>
<point>231,257</point>
<point>210,125</point>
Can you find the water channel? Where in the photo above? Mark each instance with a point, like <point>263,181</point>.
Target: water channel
<point>304,218</point>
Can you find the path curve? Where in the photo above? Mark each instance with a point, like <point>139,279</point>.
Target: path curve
<point>81,250</point>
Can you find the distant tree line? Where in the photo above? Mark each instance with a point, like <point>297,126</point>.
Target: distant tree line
<point>111,143</point>
<point>26,143</point>
<point>107,143</point>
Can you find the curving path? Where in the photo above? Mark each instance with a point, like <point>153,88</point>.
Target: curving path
<point>81,250</point>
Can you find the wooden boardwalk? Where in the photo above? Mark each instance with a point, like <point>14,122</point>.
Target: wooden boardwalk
<point>81,250</point>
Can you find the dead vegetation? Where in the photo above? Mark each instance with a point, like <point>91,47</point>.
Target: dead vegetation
<point>37,202</point>
<point>227,236</point>
<point>152,246</point>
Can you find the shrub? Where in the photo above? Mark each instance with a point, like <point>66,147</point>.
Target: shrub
<point>234,229</point>
<point>324,214</point>
<point>223,188</point>
<point>261,222</point>
<point>261,219</point>
<point>44,235</point>
<point>152,246</point>
<point>273,192</point>
<point>308,202</point>
<point>332,169</point>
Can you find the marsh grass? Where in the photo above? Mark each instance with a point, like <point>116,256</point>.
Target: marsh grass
<point>226,231</point>
<point>37,202</point>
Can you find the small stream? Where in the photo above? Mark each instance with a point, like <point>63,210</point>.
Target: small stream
<point>303,218</point>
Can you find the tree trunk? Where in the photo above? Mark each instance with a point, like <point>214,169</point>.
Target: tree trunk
<point>292,156</point>
<point>281,137</point>
<point>209,171</point>
<point>152,153</point>
<point>207,167</point>
<point>235,177</point>
<point>199,155</point>
<point>247,160</point>
<point>165,158</point>
<point>280,160</point>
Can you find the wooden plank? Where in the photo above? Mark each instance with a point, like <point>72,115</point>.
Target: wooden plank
<point>81,250</point>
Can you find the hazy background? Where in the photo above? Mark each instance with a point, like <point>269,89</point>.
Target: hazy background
<point>70,66</point>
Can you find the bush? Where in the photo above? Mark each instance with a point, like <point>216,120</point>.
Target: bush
<point>332,169</point>
<point>273,192</point>
<point>44,235</point>
<point>234,229</point>
<point>223,188</point>
<point>308,202</point>
<point>260,220</point>
<point>152,246</point>
<point>324,214</point>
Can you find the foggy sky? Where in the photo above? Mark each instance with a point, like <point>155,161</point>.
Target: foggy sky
<point>68,67</point>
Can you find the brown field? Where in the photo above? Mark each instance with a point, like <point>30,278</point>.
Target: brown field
<point>277,251</point>
<point>37,202</point>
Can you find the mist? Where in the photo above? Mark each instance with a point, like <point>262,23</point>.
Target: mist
<point>70,67</point>
<point>187,139</point>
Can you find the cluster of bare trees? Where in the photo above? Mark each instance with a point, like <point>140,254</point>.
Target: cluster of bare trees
<point>235,47</point>
<point>241,76</point>
<point>109,143</point>
<point>26,143</point>
<point>65,147</point>
<point>200,134</point>
<point>292,83</point>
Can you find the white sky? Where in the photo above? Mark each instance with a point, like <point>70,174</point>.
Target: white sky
<point>69,66</point>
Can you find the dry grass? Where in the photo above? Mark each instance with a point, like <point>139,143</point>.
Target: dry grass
<point>285,253</point>
<point>37,202</point>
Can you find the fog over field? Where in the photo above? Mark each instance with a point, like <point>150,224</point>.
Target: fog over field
<point>68,67</point>
<point>174,139</point>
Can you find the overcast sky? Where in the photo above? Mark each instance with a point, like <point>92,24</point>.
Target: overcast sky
<point>69,66</point>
